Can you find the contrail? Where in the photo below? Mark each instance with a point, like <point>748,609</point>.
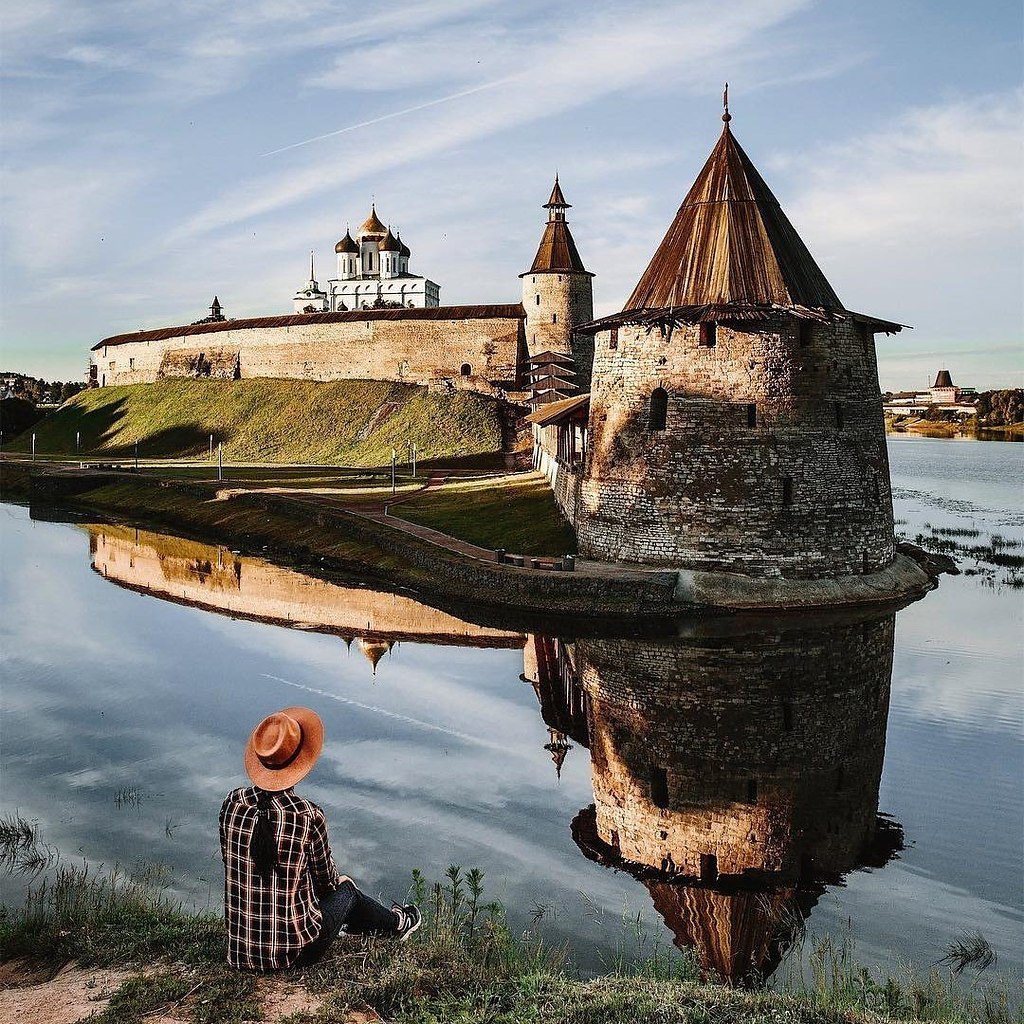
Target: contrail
<point>382,711</point>
<point>396,113</point>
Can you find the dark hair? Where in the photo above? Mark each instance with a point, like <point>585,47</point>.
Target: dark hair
<point>263,842</point>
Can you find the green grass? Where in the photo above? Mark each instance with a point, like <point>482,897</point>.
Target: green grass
<point>237,522</point>
<point>517,513</point>
<point>353,422</point>
<point>465,965</point>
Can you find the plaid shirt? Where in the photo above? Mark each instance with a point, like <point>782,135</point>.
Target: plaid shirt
<point>270,923</point>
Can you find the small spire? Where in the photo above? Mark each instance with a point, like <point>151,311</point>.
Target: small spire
<point>726,116</point>
<point>312,276</point>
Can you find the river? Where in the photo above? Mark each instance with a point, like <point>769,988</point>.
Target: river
<point>858,774</point>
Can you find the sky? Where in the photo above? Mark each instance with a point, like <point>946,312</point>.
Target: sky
<point>155,153</point>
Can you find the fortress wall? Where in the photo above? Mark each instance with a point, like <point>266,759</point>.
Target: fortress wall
<point>213,577</point>
<point>708,491</point>
<point>765,752</point>
<point>410,351</point>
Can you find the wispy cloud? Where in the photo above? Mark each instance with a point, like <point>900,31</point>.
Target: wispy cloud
<point>391,116</point>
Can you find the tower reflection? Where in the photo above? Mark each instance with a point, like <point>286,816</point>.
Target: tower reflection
<point>735,775</point>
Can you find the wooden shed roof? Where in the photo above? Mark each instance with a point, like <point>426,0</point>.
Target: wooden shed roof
<point>559,412</point>
<point>730,242</point>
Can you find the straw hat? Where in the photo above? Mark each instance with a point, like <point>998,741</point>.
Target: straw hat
<point>283,748</point>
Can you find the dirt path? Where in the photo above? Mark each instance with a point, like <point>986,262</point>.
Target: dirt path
<point>76,993</point>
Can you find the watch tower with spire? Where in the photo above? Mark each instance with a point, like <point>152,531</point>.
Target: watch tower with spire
<point>558,292</point>
<point>735,415</point>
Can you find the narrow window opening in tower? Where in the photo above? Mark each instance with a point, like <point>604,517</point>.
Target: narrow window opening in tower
<point>465,370</point>
<point>877,489</point>
<point>751,791</point>
<point>866,337</point>
<point>708,335</point>
<point>839,415</point>
<point>538,298</point>
<point>804,334</point>
<point>613,338</point>
<point>787,716</point>
<point>659,787</point>
<point>787,490</point>
<point>554,318</point>
<point>752,415</point>
<point>708,868</point>
<point>659,409</point>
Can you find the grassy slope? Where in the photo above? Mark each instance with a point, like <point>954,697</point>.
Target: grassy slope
<point>271,421</point>
<point>516,513</point>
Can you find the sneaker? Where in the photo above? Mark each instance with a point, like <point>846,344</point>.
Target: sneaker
<point>409,918</point>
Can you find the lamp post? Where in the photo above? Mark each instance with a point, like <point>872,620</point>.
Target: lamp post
<point>220,460</point>
<point>394,458</point>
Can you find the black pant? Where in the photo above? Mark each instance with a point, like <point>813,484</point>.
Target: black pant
<point>352,910</point>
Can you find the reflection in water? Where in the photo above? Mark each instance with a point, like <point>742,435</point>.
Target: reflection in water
<point>220,580</point>
<point>733,776</point>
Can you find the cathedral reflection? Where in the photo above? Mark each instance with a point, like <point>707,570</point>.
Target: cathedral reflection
<point>735,776</point>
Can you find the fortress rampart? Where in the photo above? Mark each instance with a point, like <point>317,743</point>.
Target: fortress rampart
<point>478,347</point>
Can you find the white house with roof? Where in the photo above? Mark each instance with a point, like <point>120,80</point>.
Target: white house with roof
<point>373,273</point>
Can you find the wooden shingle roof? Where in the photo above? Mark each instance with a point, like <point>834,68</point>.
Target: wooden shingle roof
<point>557,251</point>
<point>730,242</point>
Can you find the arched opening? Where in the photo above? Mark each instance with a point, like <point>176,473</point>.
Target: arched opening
<point>659,409</point>
<point>466,370</point>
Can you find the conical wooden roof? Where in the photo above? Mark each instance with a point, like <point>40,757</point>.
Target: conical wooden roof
<point>557,251</point>
<point>730,242</point>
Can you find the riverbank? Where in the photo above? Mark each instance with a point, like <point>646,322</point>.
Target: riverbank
<point>306,529</point>
<point>148,960</point>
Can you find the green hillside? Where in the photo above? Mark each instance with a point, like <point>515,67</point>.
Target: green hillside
<point>352,423</point>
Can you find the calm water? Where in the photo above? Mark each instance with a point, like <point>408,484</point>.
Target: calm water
<point>801,753</point>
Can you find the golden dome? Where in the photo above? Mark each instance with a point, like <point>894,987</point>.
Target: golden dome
<point>372,225</point>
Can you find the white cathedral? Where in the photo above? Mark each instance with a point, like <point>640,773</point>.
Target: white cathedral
<point>373,273</point>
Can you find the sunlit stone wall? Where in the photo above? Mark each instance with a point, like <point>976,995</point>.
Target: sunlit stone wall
<point>771,460</point>
<point>472,352</point>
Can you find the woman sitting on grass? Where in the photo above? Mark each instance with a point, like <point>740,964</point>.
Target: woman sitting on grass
<point>284,900</point>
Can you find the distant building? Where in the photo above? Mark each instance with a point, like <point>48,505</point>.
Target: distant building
<point>943,394</point>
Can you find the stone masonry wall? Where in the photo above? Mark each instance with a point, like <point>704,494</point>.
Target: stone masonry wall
<point>410,351</point>
<point>764,752</point>
<point>555,304</point>
<point>758,409</point>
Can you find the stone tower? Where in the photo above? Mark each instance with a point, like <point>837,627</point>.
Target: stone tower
<point>558,293</point>
<point>735,416</point>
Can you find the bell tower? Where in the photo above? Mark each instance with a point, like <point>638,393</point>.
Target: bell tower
<point>558,293</point>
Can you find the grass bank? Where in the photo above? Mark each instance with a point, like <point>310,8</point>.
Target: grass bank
<point>355,422</point>
<point>465,965</point>
<point>311,536</point>
<point>517,513</point>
